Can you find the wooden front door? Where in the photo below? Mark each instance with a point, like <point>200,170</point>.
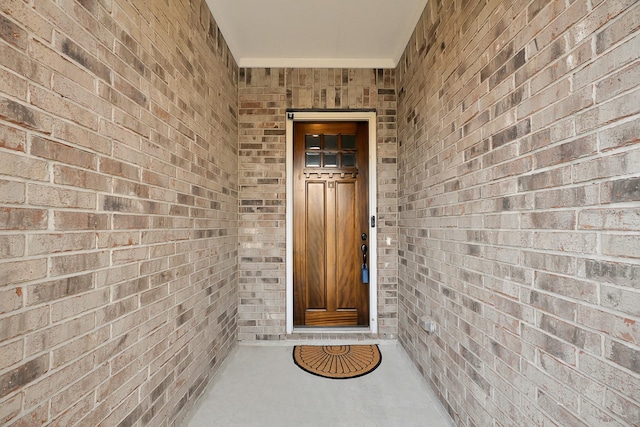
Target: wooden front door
<point>330,216</point>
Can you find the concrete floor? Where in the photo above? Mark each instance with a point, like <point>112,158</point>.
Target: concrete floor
<point>261,386</point>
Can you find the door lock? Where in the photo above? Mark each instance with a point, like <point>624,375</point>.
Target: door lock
<point>365,269</point>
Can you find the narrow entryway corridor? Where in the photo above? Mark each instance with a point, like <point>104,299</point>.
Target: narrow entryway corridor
<point>162,230</point>
<point>261,386</point>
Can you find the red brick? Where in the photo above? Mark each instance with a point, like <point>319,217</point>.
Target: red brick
<point>547,179</point>
<point>49,101</point>
<point>621,190</point>
<point>117,310</point>
<point>566,286</point>
<point>81,136</point>
<point>75,412</point>
<point>567,152</point>
<point>78,54</point>
<point>23,219</point>
<point>618,273</point>
<point>557,411</point>
<point>12,33</point>
<point>130,92</point>
<point>608,112</point>
<point>547,96</point>
<point>49,196</point>
<point>610,219</point>
<point>572,60</point>
<point>131,123</point>
<point>53,290</point>
<point>605,64</point>
<point>57,151</point>
<point>587,195</point>
<point>12,139</point>
<point>69,264</point>
<point>69,396</point>
<point>68,220</point>
<point>12,246</point>
<point>10,300</point>
<point>620,28</point>
<point>550,345</point>
<point>625,301</point>
<point>559,220</point>
<point>132,222</point>
<point>626,246</point>
<point>26,321</point>
<point>115,275</point>
<point>12,192</point>
<point>92,16</point>
<point>23,167</point>
<point>545,56</point>
<point>622,135</point>
<point>602,13</point>
<point>622,355</point>
<point>114,239</point>
<point>36,417</point>
<point>557,132</point>
<point>10,408</point>
<point>47,338</point>
<point>582,243</point>
<point>40,244</point>
<point>607,167</point>
<point>29,19</point>
<point>11,84</point>
<point>23,374</point>
<point>51,59</point>
<point>129,188</point>
<point>550,263</point>
<point>572,104</point>
<point>625,408</point>
<point>76,348</point>
<point>619,82</point>
<point>45,387</point>
<point>69,176</point>
<point>22,115</point>
<point>118,168</point>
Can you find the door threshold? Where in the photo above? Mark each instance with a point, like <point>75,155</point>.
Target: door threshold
<point>331,330</point>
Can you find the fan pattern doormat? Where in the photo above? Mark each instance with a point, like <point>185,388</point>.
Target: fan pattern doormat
<point>337,361</point>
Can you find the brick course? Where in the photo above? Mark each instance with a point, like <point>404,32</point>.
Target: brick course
<point>118,210</point>
<point>518,232</point>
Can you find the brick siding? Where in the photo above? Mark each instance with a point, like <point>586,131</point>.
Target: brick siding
<point>264,96</point>
<point>118,210</point>
<point>142,207</point>
<point>519,215</point>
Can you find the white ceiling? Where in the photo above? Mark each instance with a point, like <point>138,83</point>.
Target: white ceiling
<point>317,33</point>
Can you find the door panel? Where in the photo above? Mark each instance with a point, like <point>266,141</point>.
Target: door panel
<point>316,249</point>
<point>346,245</point>
<point>330,215</point>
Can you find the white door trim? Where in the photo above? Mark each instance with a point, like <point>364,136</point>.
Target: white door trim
<point>334,116</point>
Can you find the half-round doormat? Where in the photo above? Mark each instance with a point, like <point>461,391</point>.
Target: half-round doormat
<point>337,361</point>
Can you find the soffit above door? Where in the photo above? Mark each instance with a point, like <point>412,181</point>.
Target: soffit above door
<point>317,34</point>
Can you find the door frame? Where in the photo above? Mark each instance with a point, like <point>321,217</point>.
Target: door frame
<point>333,116</point>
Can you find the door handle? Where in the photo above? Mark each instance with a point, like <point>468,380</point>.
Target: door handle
<point>364,248</point>
<point>365,269</point>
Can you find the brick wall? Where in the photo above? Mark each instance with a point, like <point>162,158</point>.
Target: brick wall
<point>118,210</point>
<point>519,222</point>
<point>264,96</point>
